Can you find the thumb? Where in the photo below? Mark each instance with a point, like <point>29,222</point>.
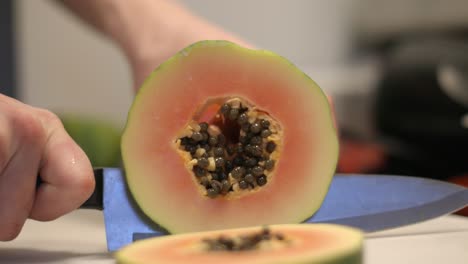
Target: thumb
<point>65,171</point>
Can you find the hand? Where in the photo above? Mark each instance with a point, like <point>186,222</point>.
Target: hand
<point>171,31</point>
<point>147,31</point>
<point>33,141</point>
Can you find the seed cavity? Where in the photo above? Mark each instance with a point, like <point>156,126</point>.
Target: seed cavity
<point>245,242</point>
<point>234,152</point>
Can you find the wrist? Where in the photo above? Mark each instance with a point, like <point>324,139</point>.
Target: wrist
<point>146,27</point>
<point>147,31</point>
<point>150,31</point>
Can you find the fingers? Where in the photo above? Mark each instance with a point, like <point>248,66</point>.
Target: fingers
<point>21,140</point>
<point>66,173</point>
<point>34,141</point>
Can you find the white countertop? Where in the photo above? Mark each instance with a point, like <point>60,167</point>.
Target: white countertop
<point>80,238</point>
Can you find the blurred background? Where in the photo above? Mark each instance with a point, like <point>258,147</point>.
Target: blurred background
<point>397,71</point>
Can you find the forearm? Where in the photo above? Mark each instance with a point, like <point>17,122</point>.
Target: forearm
<point>130,23</point>
<point>147,31</point>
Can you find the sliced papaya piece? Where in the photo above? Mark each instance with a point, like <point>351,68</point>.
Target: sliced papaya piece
<point>221,136</point>
<point>299,243</point>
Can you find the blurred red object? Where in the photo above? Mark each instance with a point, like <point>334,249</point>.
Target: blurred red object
<point>360,157</point>
<point>463,181</point>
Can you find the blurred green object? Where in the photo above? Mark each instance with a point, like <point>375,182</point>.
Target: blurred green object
<point>99,139</point>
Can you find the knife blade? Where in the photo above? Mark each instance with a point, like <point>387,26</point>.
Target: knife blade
<point>368,202</point>
<point>378,202</point>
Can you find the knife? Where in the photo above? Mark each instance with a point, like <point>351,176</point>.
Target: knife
<point>368,202</point>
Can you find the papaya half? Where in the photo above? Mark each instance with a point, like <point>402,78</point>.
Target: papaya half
<point>220,136</point>
<point>306,243</point>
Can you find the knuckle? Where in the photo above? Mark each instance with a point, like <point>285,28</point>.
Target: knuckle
<point>33,126</point>
<point>49,118</point>
<point>27,127</point>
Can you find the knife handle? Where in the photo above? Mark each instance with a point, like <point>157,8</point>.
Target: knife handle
<point>95,201</point>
